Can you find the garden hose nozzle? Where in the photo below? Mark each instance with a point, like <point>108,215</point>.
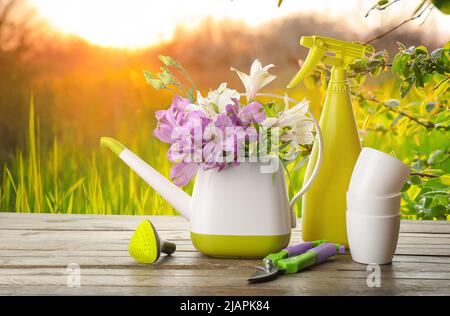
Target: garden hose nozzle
<point>329,51</point>
<point>146,246</point>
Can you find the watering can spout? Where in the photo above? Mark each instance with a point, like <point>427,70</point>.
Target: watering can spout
<point>180,200</point>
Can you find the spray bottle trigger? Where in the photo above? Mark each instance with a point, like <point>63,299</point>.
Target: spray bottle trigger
<point>314,57</point>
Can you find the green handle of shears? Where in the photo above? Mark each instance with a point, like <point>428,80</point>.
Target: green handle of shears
<point>297,263</point>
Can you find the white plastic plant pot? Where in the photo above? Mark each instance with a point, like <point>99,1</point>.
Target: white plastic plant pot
<point>377,174</point>
<point>374,205</point>
<point>372,239</point>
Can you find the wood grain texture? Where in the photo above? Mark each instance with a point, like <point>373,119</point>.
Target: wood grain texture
<point>35,250</point>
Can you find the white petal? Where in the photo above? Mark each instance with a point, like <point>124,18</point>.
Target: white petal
<point>246,80</point>
<point>268,67</point>
<point>256,66</point>
<point>268,122</point>
<point>286,102</point>
<point>264,81</point>
<point>305,138</point>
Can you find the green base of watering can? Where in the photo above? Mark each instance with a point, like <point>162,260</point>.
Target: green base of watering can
<point>231,246</point>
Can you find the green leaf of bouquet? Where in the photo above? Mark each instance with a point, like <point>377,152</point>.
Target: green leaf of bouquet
<point>169,61</point>
<point>156,83</point>
<point>190,94</point>
<point>166,78</point>
<point>148,75</point>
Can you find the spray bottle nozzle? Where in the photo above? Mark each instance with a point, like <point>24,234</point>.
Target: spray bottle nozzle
<point>329,51</point>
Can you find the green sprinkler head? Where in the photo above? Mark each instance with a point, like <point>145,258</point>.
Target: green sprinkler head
<point>146,246</point>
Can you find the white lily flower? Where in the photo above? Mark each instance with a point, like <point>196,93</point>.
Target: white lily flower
<point>302,132</point>
<point>289,117</point>
<point>301,127</point>
<point>258,78</point>
<point>195,107</point>
<point>217,100</point>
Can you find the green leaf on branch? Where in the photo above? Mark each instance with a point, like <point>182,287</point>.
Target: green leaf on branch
<point>399,63</point>
<point>429,107</point>
<point>418,75</point>
<point>442,5</point>
<point>436,55</point>
<point>435,156</point>
<point>406,87</point>
<point>392,103</point>
<point>442,118</point>
<point>421,50</point>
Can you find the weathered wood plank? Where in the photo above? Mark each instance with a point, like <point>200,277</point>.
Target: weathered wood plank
<point>87,222</point>
<point>211,286</point>
<point>129,223</point>
<point>36,248</point>
<point>181,235</point>
<point>241,267</point>
<point>236,279</point>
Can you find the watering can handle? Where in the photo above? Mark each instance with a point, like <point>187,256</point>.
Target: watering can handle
<point>313,176</point>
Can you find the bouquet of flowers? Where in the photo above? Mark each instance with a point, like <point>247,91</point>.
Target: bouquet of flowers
<point>219,130</point>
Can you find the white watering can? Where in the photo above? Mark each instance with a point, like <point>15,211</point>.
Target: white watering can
<point>240,211</point>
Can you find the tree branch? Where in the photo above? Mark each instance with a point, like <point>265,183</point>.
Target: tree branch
<point>424,175</point>
<point>412,118</point>
<point>399,25</point>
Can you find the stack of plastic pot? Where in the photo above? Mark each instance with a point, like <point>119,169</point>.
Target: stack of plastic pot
<point>373,206</point>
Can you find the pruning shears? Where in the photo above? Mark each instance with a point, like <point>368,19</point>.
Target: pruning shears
<point>295,258</point>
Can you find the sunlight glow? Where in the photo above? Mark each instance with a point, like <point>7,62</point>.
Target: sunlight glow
<point>141,23</point>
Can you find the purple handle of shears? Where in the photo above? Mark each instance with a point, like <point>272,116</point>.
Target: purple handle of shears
<point>298,249</point>
<point>325,251</point>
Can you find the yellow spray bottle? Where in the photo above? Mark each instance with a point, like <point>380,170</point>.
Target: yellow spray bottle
<point>324,205</point>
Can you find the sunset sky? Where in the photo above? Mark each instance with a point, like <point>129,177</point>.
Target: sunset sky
<point>140,23</point>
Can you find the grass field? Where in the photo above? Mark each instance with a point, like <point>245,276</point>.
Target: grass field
<point>62,178</point>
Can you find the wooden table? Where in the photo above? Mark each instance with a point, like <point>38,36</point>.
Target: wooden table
<point>35,250</point>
